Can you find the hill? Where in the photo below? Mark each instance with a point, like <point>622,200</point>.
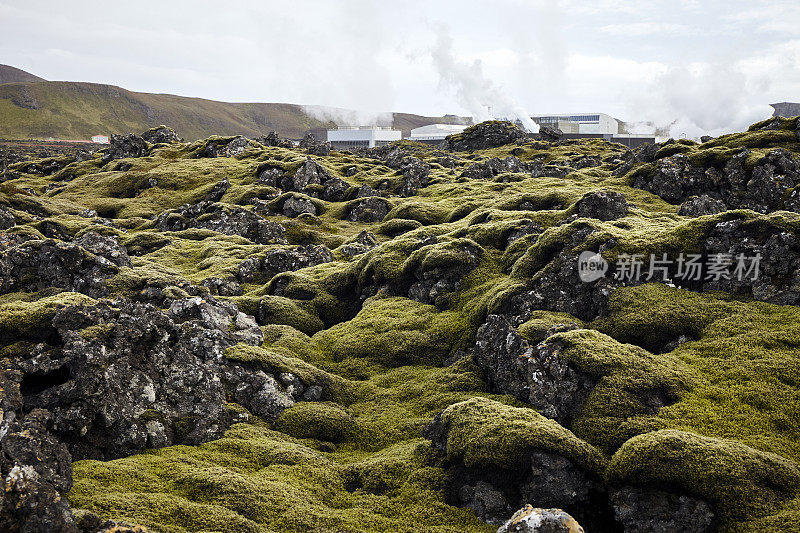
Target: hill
<point>78,110</point>
<point>9,74</point>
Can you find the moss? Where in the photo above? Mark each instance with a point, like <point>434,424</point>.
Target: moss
<point>426,213</point>
<point>739,481</point>
<point>254,479</point>
<point>631,385</point>
<point>316,420</point>
<point>741,358</point>
<point>485,433</point>
<point>394,332</point>
<point>32,319</point>
<point>535,329</point>
<point>281,310</point>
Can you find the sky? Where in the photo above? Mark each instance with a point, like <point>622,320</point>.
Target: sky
<point>692,66</point>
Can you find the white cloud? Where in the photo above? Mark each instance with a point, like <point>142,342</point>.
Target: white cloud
<point>639,29</point>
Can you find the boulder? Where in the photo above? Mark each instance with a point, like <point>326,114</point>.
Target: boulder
<point>124,146</point>
<point>370,209</point>
<point>7,218</point>
<point>602,205</point>
<point>271,176</point>
<point>704,204</point>
<point>218,191</point>
<point>415,176</point>
<point>161,135</point>
<point>763,187</point>
<point>436,280</point>
<point>364,242</point>
<point>282,260</point>
<point>294,206</point>
<point>309,173</point>
<point>534,374</point>
<point>310,144</point>
<point>548,134</point>
<point>489,134</point>
<point>225,219</point>
<point>489,169</point>
<point>531,519</point>
<point>33,265</point>
<point>104,246</point>
<point>644,510</point>
<point>224,146</point>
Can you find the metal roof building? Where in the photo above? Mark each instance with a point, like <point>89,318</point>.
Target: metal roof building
<point>362,137</point>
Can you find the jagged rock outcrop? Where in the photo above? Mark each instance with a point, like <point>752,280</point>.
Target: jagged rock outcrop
<point>282,260</point>
<point>125,376</point>
<point>311,179</point>
<point>311,145</point>
<point>762,187</point>
<point>416,174</point>
<point>363,243</point>
<point>492,167</point>
<point>435,280</point>
<point>534,374</point>
<point>697,206</point>
<point>224,147</point>
<point>124,146</point>
<point>489,134</point>
<point>34,265</point>
<point>548,134</point>
<point>229,220</point>
<point>272,139</point>
<point>35,467</point>
<point>369,209</point>
<point>161,134</point>
<point>7,218</point>
<point>641,510</point>
<point>296,205</point>
<point>603,205</point>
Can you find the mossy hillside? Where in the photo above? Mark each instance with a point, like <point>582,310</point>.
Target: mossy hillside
<point>743,358</point>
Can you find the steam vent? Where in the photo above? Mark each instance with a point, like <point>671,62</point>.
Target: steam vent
<point>497,331</point>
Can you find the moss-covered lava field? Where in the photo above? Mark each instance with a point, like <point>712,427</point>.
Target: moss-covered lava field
<point>247,336</point>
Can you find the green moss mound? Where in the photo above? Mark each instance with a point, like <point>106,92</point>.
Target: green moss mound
<point>737,479</point>
<point>483,432</point>
<point>316,420</point>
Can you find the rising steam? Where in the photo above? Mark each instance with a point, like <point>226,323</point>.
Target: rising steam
<point>478,95</point>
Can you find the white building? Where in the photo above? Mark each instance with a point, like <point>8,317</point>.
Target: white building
<point>435,132</point>
<point>362,137</point>
<point>587,122</point>
<point>100,139</point>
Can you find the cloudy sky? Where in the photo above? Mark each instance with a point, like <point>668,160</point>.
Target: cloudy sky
<point>708,66</point>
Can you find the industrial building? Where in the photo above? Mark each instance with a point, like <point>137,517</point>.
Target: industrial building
<point>362,137</point>
<point>586,123</point>
<point>435,133</point>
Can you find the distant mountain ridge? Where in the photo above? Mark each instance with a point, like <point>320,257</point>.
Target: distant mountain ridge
<point>9,74</point>
<point>32,108</point>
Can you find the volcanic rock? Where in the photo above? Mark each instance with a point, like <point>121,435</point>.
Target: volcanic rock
<point>489,134</point>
